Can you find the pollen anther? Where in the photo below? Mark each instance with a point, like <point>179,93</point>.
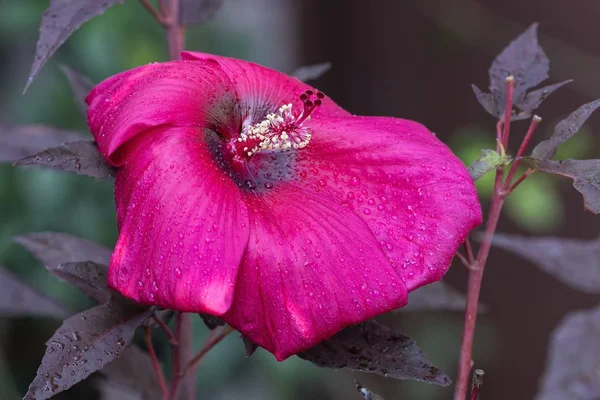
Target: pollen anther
<point>282,130</point>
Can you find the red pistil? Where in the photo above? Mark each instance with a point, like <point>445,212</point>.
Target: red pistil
<point>309,104</point>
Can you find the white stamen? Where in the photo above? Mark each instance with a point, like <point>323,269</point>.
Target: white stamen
<point>279,131</point>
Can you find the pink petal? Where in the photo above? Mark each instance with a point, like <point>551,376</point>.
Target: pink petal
<point>263,90</point>
<point>183,223</point>
<point>414,194</point>
<point>180,93</point>
<point>311,268</point>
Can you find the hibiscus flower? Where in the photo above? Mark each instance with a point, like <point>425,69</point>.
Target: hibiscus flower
<point>244,193</point>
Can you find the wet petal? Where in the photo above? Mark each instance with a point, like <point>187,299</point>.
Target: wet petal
<point>183,223</point>
<point>180,93</point>
<point>415,195</point>
<point>263,90</point>
<point>311,268</point>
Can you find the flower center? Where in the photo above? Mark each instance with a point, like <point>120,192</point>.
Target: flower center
<point>278,131</point>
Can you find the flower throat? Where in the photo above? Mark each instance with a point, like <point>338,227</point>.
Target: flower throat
<point>278,131</point>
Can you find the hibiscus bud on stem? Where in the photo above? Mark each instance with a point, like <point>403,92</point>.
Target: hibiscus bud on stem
<point>476,265</point>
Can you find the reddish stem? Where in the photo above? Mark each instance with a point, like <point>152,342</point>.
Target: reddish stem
<point>518,182</point>
<point>476,271</point>
<point>175,32</point>
<point>155,363</point>
<point>474,287</point>
<point>176,357</point>
<point>510,89</point>
<point>463,260</point>
<point>187,350</point>
<point>498,135</point>
<point>154,12</point>
<point>469,251</point>
<point>165,329</point>
<point>215,337</point>
<point>535,121</point>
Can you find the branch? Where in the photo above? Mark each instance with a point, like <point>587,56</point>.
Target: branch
<point>155,363</point>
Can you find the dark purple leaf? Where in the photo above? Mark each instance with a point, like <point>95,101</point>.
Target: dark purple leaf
<point>87,276</point>
<point>564,130</point>
<point>525,60</point>
<point>80,84</point>
<point>573,369</point>
<point>55,248</point>
<point>194,12</point>
<point>533,100</point>
<point>81,157</point>
<point>20,141</point>
<point>585,175</point>
<point>575,262</point>
<point>437,296</point>
<point>487,101</point>
<point>133,370</point>
<point>62,18</point>
<point>19,299</point>
<point>366,393</point>
<point>84,344</point>
<point>311,72</point>
<point>372,347</point>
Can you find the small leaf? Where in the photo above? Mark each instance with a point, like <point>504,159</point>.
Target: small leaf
<point>81,157</point>
<point>55,248</point>
<point>19,299</point>
<point>366,393</point>
<point>533,100</point>
<point>487,101</point>
<point>87,276</point>
<point>311,72</point>
<point>62,18</point>
<point>585,175</point>
<point>524,59</point>
<point>195,12</point>
<point>371,347</point>
<point>487,162</point>
<point>437,296</point>
<point>84,344</point>
<point>22,140</point>
<point>80,84</point>
<point>572,261</point>
<point>573,369</point>
<point>134,371</point>
<point>564,130</point>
